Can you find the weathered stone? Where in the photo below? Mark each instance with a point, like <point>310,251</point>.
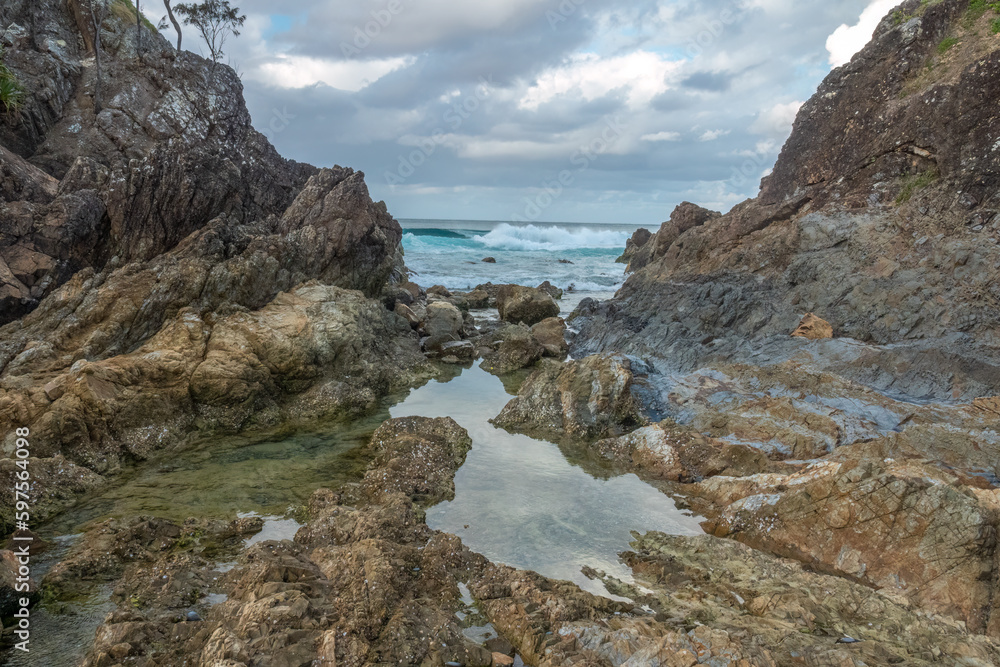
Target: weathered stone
<point>514,347</point>
<point>551,335</point>
<point>813,328</point>
<point>526,305</point>
<point>584,398</point>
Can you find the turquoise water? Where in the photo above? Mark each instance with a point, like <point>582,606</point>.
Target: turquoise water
<point>450,253</point>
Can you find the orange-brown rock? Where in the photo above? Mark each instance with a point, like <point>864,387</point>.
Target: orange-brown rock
<point>813,328</point>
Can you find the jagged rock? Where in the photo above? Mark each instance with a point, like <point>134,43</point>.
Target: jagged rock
<point>813,328</point>
<point>851,218</point>
<point>584,398</point>
<point>407,314</point>
<point>171,149</point>
<point>477,299</point>
<point>525,304</point>
<point>551,290</point>
<point>639,238</point>
<point>667,451</point>
<point>418,457</point>
<point>361,583</point>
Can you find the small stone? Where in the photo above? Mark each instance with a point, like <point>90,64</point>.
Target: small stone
<point>501,660</point>
<point>193,616</point>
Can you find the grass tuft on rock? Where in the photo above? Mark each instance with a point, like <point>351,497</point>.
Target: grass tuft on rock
<point>915,183</point>
<point>11,90</point>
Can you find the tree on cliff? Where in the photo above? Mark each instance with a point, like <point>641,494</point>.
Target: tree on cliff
<point>173,19</point>
<point>98,12</point>
<point>216,20</point>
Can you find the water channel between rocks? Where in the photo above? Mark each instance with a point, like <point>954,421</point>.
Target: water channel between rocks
<point>518,500</point>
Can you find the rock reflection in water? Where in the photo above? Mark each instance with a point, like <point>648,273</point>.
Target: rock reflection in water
<point>525,504</point>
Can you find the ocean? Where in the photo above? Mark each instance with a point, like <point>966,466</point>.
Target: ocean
<point>579,258</point>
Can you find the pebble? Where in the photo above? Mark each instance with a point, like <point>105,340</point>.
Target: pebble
<point>193,616</point>
<point>848,640</point>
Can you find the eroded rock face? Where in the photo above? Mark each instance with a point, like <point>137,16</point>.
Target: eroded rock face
<point>170,149</point>
<point>904,527</point>
<point>586,398</point>
<point>527,305</point>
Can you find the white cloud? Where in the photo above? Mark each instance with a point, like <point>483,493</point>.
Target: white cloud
<point>776,121</point>
<point>712,135</point>
<point>589,76</point>
<point>662,136</point>
<point>848,40</point>
<point>300,71</point>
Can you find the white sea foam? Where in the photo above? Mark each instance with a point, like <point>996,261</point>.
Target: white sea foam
<point>530,237</point>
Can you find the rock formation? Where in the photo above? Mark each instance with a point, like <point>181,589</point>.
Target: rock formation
<point>869,456</point>
<point>170,272</point>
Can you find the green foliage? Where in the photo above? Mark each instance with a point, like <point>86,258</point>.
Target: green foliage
<point>995,27</point>
<point>946,44</point>
<point>125,10</point>
<point>11,90</point>
<point>979,7</point>
<point>216,20</point>
<point>914,183</point>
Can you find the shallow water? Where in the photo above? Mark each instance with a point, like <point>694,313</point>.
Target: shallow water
<point>520,501</point>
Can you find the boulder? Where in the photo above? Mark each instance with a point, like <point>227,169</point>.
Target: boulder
<point>514,347</point>
<point>407,314</point>
<point>442,324</point>
<point>551,335</point>
<point>586,398</point>
<point>489,260</point>
<point>477,299</point>
<point>525,304</point>
<point>418,457</point>
<point>813,328</point>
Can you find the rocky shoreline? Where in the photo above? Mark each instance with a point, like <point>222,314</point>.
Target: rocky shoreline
<point>815,373</point>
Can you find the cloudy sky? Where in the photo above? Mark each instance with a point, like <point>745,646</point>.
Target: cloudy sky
<point>547,110</point>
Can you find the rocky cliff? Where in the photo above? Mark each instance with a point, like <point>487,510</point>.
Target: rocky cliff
<point>865,445</point>
<point>880,216</point>
<point>162,268</point>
